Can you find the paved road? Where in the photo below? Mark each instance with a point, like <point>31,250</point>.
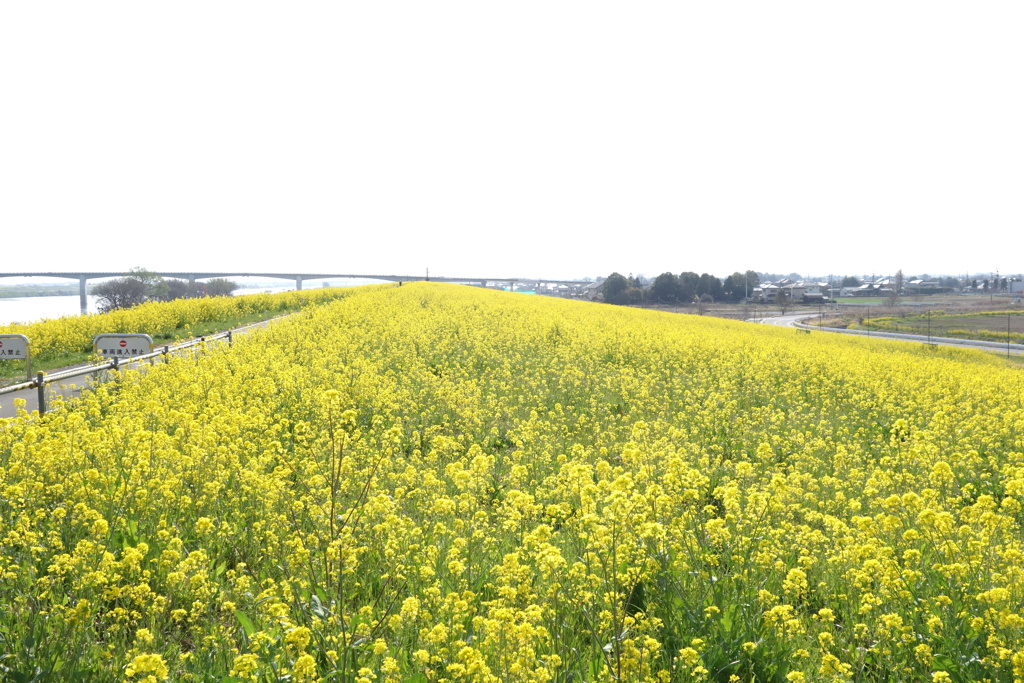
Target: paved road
<point>793,320</point>
<point>68,389</point>
<point>785,320</point>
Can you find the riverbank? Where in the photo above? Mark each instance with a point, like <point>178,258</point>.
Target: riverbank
<point>27,291</point>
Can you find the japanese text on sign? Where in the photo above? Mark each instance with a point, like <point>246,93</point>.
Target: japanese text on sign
<point>122,345</point>
<point>13,346</point>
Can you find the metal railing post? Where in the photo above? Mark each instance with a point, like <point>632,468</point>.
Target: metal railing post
<point>229,338</point>
<point>41,386</point>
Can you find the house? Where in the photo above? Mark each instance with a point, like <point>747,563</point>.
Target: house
<point>816,292</point>
<point>795,290</point>
<point>766,293</point>
<point>592,290</point>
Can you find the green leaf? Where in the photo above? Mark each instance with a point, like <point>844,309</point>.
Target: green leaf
<point>317,607</point>
<point>726,619</point>
<point>246,622</point>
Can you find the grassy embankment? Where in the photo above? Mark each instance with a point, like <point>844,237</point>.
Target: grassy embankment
<point>68,341</point>
<point>998,326</point>
<point>977,319</point>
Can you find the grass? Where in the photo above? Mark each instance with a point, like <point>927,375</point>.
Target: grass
<point>983,326</point>
<point>20,291</point>
<point>872,300</point>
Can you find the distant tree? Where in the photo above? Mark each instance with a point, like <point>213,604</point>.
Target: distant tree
<point>950,282</point>
<point>614,288</point>
<point>850,281</point>
<point>784,300</point>
<point>703,301</point>
<point>729,289</point>
<point>753,282</point>
<point>156,287</point>
<point>123,292</point>
<point>635,296</point>
<point>739,285</point>
<point>895,289</point>
<point>137,286</point>
<point>666,288</point>
<point>220,287</point>
<point>688,282</point>
<point>182,289</point>
<point>710,285</point>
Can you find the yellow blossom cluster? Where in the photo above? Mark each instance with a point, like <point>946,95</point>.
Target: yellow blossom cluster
<point>441,483</point>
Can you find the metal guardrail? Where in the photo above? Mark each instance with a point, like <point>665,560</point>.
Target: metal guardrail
<point>42,379</point>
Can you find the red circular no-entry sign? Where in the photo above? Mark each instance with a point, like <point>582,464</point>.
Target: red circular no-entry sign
<point>124,343</point>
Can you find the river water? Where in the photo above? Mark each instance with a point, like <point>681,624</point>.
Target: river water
<point>33,308</point>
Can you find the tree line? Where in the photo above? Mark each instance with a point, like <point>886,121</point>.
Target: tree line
<point>140,285</point>
<point>685,288</point>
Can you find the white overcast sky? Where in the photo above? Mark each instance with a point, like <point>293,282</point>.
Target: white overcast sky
<point>532,139</point>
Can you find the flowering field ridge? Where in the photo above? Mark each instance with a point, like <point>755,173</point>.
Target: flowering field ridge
<point>439,483</point>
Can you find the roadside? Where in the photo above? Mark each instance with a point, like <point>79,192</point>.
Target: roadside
<point>795,321</point>
<point>88,374</point>
<point>13,372</point>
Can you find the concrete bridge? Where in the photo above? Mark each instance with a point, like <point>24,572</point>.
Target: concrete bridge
<point>299,278</point>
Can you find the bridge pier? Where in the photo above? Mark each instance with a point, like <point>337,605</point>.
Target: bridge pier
<point>298,283</point>
<point>82,299</point>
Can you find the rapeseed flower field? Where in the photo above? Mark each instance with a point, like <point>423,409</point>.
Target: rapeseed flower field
<point>439,483</point>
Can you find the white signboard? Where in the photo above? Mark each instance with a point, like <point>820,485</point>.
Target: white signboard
<point>122,345</point>
<point>13,347</point>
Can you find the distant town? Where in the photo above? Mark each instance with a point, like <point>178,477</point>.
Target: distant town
<point>753,287</point>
